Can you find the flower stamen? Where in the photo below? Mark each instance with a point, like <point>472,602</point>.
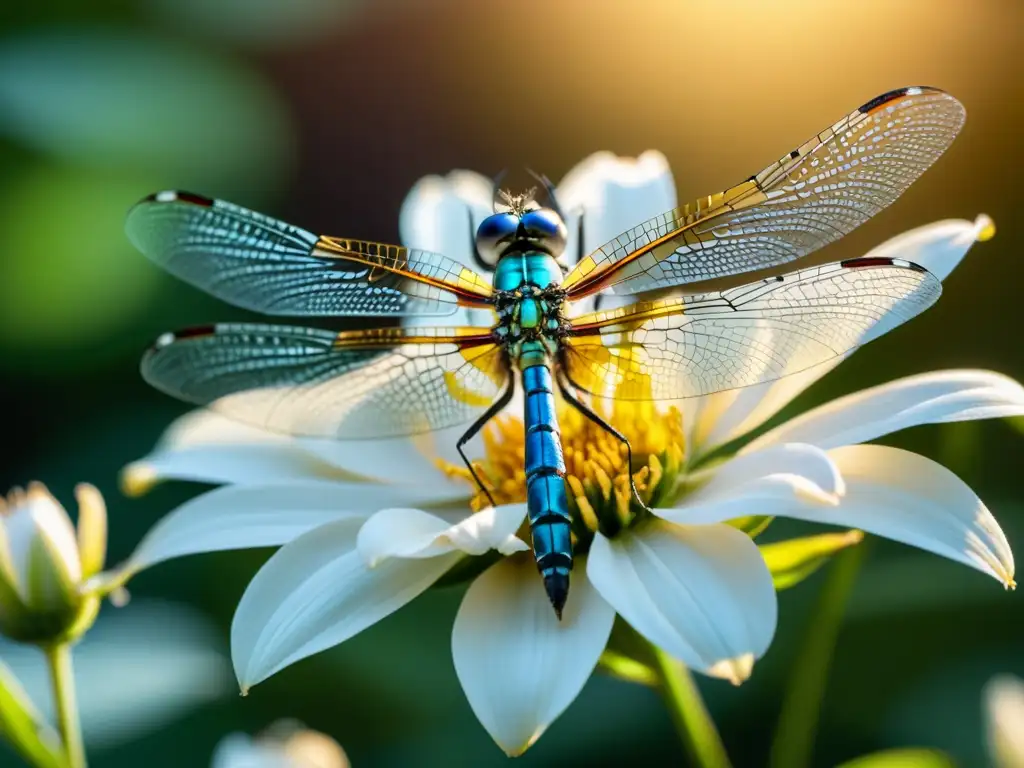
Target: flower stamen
<point>597,472</point>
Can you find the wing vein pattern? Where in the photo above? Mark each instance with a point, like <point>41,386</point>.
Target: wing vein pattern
<point>318,383</point>
<point>811,197</point>
<point>265,265</point>
<point>706,343</point>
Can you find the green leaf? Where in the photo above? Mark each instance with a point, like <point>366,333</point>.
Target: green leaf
<point>752,525</point>
<point>792,561</point>
<point>24,728</point>
<point>902,758</point>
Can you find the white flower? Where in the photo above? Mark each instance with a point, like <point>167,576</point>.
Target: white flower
<point>366,526</point>
<point>284,745</point>
<point>43,562</point>
<point>1004,707</point>
<point>612,194</point>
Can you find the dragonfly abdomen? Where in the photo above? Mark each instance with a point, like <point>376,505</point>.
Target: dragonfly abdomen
<point>548,506</point>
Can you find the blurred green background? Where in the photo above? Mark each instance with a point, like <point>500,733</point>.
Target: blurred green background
<point>324,113</point>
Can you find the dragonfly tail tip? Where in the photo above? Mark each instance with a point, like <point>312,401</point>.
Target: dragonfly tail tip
<point>557,586</point>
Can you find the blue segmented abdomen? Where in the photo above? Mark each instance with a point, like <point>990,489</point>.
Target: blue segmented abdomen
<point>548,506</point>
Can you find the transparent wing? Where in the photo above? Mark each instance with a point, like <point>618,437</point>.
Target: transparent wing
<point>349,385</point>
<point>258,263</point>
<point>758,332</point>
<point>814,195</point>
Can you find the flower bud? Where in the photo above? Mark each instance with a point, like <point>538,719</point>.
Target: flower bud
<point>43,561</point>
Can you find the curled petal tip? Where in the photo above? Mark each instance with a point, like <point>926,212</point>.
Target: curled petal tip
<point>986,228</point>
<point>87,491</point>
<point>520,750</point>
<point>138,479</point>
<point>737,671</point>
<point>810,492</point>
<point>854,536</point>
<point>511,545</point>
<point>119,597</point>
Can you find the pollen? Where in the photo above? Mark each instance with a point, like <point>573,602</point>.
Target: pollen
<point>597,472</point>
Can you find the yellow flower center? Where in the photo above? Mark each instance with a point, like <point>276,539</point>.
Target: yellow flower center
<point>597,475</point>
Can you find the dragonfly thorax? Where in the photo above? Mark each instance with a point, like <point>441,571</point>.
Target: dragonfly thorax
<point>529,305</point>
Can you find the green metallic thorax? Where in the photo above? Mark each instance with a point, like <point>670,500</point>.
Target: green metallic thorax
<point>530,314</point>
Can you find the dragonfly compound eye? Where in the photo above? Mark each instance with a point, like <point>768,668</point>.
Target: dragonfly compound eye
<point>543,229</point>
<point>495,234</point>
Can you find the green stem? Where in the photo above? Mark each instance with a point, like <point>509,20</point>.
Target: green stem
<point>632,671</point>
<point>801,704</point>
<point>694,725</point>
<point>62,677</point>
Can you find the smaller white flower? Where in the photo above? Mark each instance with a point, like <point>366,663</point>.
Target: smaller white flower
<point>1004,708</point>
<point>283,745</point>
<point>43,562</point>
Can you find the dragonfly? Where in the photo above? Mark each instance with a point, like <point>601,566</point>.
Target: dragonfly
<point>672,343</point>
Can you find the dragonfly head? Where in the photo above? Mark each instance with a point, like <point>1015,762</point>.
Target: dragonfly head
<point>521,229</point>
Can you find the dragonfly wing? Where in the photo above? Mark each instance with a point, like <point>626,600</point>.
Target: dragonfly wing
<point>317,383</point>
<point>706,343</point>
<point>812,196</point>
<point>258,263</point>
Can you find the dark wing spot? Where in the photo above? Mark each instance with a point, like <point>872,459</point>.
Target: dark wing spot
<point>166,339</point>
<point>171,196</point>
<point>881,261</point>
<point>885,98</point>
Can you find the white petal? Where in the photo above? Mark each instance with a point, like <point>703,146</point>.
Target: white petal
<point>930,398</point>
<point>441,214</point>
<point>491,528</point>
<point>205,428</point>
<point>316,592</point>
<point>42,547</point>
<point>714,420</point>
<point>204,446</point>
<point>902,496</point>
<point>226,464</point>
<point>1004,709</point>
<point>401,460</point>
<point>244,517</point>
<point>766,482</point>
<point>701,593</point>
<point>937,247</point>
<point>519,665</point>
<point>415,533</point>
<point>614,194</point>
<point>806,461</point>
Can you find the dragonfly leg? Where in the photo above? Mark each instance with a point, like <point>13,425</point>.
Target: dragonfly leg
<point>495,408</point>
<point>565,385</point>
